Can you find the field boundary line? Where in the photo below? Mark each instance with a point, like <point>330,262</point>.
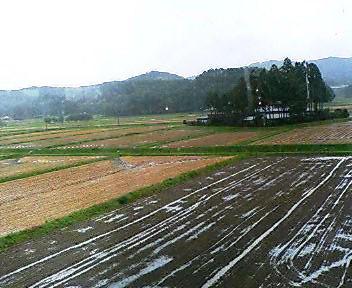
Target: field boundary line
<point>106,138</point>
<point>105,207</point>
<point>50,170</point>
<point>57,135</point>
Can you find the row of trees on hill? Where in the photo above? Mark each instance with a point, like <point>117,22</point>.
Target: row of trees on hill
<point>293,90</point>
<point>235,93</point>
<point>120,97</point>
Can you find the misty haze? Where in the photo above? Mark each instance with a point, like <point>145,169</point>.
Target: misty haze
<point>153,143</point>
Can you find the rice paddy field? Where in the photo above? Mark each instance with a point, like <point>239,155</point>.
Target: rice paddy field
<point>337,133</point>
<point>142,139</point>
<point>31,164</point>
<point>29,202</point>
<point>217,139</point>
<point>64,137</point>
<point>152,202</point>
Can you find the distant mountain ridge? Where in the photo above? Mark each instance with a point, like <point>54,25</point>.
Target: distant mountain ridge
<point>150,92</point>
<point>336,71</point>
<point>155,75</point>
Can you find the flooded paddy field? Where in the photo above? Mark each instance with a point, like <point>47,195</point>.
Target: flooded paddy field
<point>262,222</point>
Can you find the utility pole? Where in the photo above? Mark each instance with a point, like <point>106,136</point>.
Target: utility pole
<point>246,75</point>
<point>307,86</point>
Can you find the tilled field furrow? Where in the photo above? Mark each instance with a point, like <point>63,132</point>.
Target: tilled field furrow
<point>264,222</point>
<point>337,133</point>
<point>133,222</point>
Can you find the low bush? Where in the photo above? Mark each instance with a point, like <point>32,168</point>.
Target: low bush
<point>79,117</point>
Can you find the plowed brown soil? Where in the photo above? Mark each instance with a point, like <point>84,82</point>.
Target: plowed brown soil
<point>6,140</point>
<point>219,139</point>
<point>11,167</point>
<point>66,139</point>
<point>142,139</point>
<point>31,201</point>
<point>339,133</point>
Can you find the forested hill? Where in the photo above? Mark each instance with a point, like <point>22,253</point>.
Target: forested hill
<point>148,93</point>
<point>144,94</point>
<point>336,71</point>
<point>156,75</point>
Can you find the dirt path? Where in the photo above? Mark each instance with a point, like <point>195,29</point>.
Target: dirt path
<point>264,222</point>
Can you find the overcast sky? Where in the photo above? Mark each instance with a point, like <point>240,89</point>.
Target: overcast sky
<point>78,42</point>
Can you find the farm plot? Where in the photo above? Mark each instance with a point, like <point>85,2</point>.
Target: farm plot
<point>172,118</point>
<point>29,202</point>
<point>66,139</point>
<point>154,137</point>
<point>30,164</point>
<point>219,139</point>
<point>338,133</point>
<point>264,222</point>
<point>29,137</point>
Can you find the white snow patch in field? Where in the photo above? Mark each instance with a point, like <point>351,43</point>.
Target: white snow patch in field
<point>219,173</point>
<point>345,262</point>
<point>93,251</point>
<point>327,158</point>
<point>173,208</point>
<point>230,197</point>
<point>29,251</point>
<point>116,217</point>
<point>307,250</point>
<point>347,237</point>
<point>84,230</point>
<point>249,213</point>
<point>153,202</point>
<point>151,266</point>
<point>205,228</point>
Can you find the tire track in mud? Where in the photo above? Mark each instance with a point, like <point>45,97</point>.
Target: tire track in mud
<point>218,230</point>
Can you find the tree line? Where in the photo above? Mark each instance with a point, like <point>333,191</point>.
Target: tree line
<point>295,91</point>
<point>234,91</point>
<point>128,97</point>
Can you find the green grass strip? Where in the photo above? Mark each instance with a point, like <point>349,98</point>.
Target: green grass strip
<point>96,210</point>
<point>214,150</point>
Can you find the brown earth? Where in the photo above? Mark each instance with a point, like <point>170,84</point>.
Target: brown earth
<point>261,222</point>
<point>31,201</point>
<point>66,139</point>
<point>35,136</point>
<point>142,139</point>
<point>12,167</point>
<point>219,139</point>
<point>339,133</point>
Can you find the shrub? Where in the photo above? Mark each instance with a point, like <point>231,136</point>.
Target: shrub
<point>52,119</point>
<point>79,117</point>
<point>341,113</point>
